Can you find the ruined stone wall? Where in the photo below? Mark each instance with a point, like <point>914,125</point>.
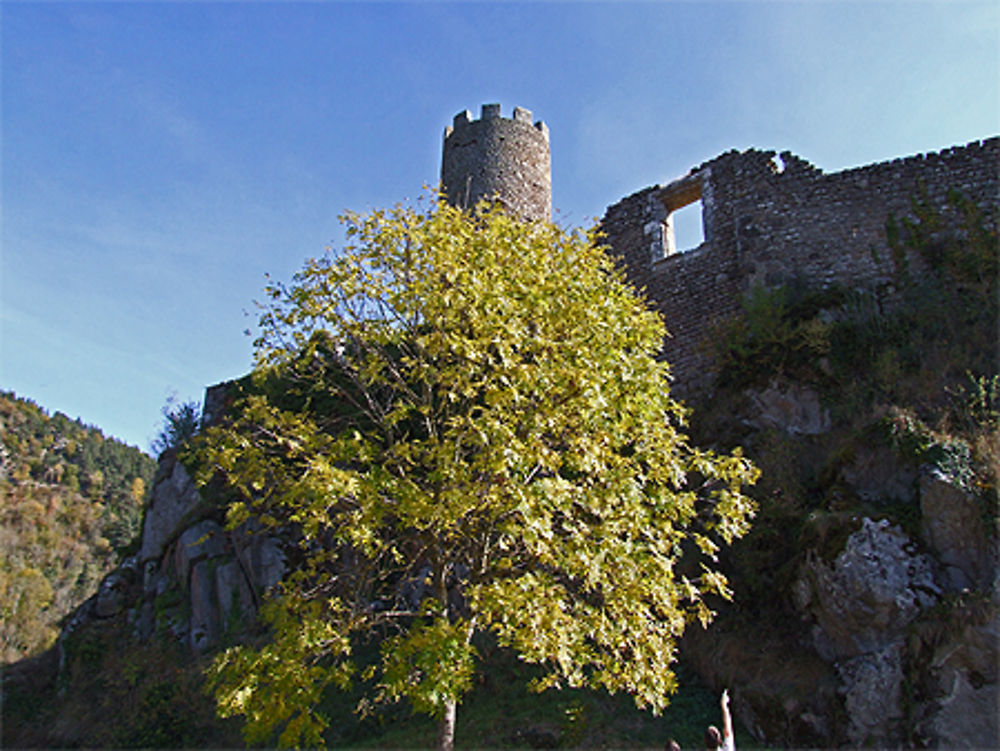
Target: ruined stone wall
<point>689,289</point>
<point>772,219</point>
<point>497,157</point>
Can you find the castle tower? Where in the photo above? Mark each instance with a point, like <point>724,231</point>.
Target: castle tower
<point>494,157</point>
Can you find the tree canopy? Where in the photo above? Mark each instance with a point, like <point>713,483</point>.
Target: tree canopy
<point>179,424</point>
<point>461,423</point>
<point>71,503</point>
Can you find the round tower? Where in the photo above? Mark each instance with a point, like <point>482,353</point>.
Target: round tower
<point>496,157</point>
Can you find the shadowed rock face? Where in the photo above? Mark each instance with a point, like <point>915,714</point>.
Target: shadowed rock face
<point>192,578</point>
<point>953,528</point>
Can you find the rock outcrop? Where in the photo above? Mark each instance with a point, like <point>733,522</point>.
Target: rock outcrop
<point>883,626</point>
<point>861,605</point>
<point>887,615</point>
<point>220,574</point>
<point>192,578</point>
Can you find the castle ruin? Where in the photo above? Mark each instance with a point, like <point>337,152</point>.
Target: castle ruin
<point>773,219</point>
<point>767,219</point>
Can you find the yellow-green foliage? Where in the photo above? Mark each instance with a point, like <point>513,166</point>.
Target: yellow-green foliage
<point>70,502</point>
<point>463,419</point>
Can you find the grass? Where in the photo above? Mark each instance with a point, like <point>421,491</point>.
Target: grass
<point>501,713</point>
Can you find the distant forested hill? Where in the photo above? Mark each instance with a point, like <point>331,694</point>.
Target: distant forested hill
<point>70,507</point>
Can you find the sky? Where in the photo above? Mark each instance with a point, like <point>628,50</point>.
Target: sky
<point>159,160</point>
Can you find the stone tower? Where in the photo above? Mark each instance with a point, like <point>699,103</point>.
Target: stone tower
<point>494,157</point>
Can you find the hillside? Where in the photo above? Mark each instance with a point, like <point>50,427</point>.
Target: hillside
<point>70,506</point>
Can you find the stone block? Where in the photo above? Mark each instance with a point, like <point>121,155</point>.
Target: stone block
<point>864,600</point>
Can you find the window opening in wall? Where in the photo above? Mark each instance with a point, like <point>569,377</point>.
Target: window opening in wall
<point>685,228</point>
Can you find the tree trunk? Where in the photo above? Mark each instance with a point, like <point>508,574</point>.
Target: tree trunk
<point>446,727</point>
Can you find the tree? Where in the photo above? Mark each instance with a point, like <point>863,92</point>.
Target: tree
<point>180,424</point>
<point>463,420</point>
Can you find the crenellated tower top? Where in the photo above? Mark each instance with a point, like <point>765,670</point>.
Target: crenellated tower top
<point>501,158</point>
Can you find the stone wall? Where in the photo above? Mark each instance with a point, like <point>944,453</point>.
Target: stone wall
<point>771,219</point>
<point>496,157</point>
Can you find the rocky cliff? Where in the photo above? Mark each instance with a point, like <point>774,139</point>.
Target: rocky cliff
<point>191,578</point>
<point>867,610</point>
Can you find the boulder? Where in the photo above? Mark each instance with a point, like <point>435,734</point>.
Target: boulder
<point>872,686</point>
<point>790,407</point>
<point>863,600</point>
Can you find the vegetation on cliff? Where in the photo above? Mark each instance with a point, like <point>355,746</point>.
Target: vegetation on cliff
<point>912,367</point>
<point>70,507</point>
<point>854,402</point>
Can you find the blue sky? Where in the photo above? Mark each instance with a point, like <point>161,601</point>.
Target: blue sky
<point>158,159</point>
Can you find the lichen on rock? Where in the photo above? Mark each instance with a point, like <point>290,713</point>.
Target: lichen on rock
<point>864,599</point>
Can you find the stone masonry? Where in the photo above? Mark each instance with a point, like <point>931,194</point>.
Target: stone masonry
<point>772,219</point>
<point>496,157</point>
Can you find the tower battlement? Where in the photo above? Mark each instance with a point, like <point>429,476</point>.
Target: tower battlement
<point>492,112</point>
<point>506,159</point>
